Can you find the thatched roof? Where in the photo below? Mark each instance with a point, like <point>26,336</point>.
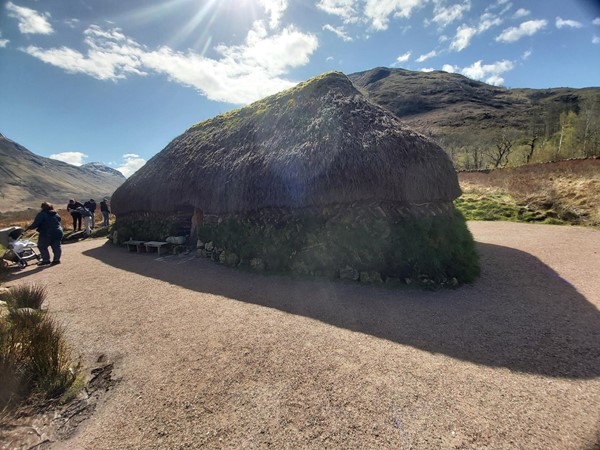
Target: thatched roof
<point>318,143</point>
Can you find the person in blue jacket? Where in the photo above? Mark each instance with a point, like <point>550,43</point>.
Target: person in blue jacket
<point>47,223</point>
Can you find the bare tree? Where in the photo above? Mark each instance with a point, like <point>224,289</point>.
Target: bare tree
<point>535,132</point>
<point>501,150</point>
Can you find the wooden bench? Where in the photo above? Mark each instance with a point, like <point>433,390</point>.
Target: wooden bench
<point>155,244</point>
<point>134,245</point>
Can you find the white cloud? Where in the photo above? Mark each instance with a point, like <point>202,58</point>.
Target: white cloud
<point>500,3</point>
<point>596,40</point>
<point>426,56</point>
<point>596,21</point>
<point>521,12</point>
<point>3,42</point>
<point>528,28</point>
<point>329,58</point>
<point>131,163</point>
<point>465,33</point>
<point>378,12</point>
<point>404,57</point>
<point>111,55</point>
<point>73,158</point>
<point>463,37</point>
<point>427,69</point>
<point>449,68</point>
<point>487,21</point>
<point>560,23</point>
<point>342,8</point>
<point>275,8</point>
<point>444,16</point>
<point>339,32</point>
<point>242,74</point>
<point>72,23</point>
<point>490,73</point>
<point>526,55</point>
<point>30,21</point>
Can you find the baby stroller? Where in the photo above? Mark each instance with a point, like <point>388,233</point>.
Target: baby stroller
<point>19,251</point>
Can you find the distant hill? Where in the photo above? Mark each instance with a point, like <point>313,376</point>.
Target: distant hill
<point>457,111</point>
<point>27,179</point>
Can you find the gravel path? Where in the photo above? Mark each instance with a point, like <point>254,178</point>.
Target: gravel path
<point>210,357</point>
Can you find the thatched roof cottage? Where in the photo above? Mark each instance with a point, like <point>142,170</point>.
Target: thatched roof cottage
<point>319,150</point>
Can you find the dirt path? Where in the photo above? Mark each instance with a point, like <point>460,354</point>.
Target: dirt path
<point>209,357</point>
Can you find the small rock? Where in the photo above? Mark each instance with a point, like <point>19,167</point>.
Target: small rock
<point>209,246</point>
<point>199,244</point>
<point>257,264</point>
<point>229,258</point>
<point>349,273</point>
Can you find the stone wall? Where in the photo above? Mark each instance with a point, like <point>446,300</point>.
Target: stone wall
<point>369,242</point>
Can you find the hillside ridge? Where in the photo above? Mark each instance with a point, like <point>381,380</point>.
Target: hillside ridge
<point>28,179</point>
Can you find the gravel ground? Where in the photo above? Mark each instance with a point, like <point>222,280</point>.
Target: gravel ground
<point>209,357</point>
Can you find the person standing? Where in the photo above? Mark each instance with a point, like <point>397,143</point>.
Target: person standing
<point>47,223</point>
<point>105,212</point>
<point>87,220</point>
<point>91,206</point>
<point>73,208</point>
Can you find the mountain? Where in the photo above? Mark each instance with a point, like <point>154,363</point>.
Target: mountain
<point>27,179</point>
<point>456,110</point>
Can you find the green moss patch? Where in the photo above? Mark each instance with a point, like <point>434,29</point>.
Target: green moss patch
<point>437,249</point>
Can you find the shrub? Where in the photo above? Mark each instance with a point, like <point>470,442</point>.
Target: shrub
<point>34,356</point>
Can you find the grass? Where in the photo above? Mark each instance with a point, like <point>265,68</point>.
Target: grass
<point>35,360</point>
<point>501,206</point>
<point>25,218</point>
<point>563,192</point>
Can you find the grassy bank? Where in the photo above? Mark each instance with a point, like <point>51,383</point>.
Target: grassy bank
<point>562,192</point>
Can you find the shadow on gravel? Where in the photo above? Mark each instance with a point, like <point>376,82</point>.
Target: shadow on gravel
<point>520,314</point>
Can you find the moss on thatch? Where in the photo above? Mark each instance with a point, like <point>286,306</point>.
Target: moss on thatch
<point>319,143</point>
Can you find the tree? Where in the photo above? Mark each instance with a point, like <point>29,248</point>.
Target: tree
<point>565,134</point>
<point>502,147</point>
<point>535,132</point>
<point>587,126</point>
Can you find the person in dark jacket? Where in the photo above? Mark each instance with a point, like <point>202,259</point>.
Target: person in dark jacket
<point>105,212</point>
<point>47,223</point>
<point>91,206</point>
<point>73,208</point>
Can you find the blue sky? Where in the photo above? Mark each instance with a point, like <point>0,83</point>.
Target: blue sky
<point>115,81</point>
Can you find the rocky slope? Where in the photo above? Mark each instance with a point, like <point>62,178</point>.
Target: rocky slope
<point>442,104</point>
<point>27,179</point>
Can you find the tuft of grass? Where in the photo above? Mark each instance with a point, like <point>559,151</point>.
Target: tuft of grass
<point>35,359</point>
<point>25,296</point>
